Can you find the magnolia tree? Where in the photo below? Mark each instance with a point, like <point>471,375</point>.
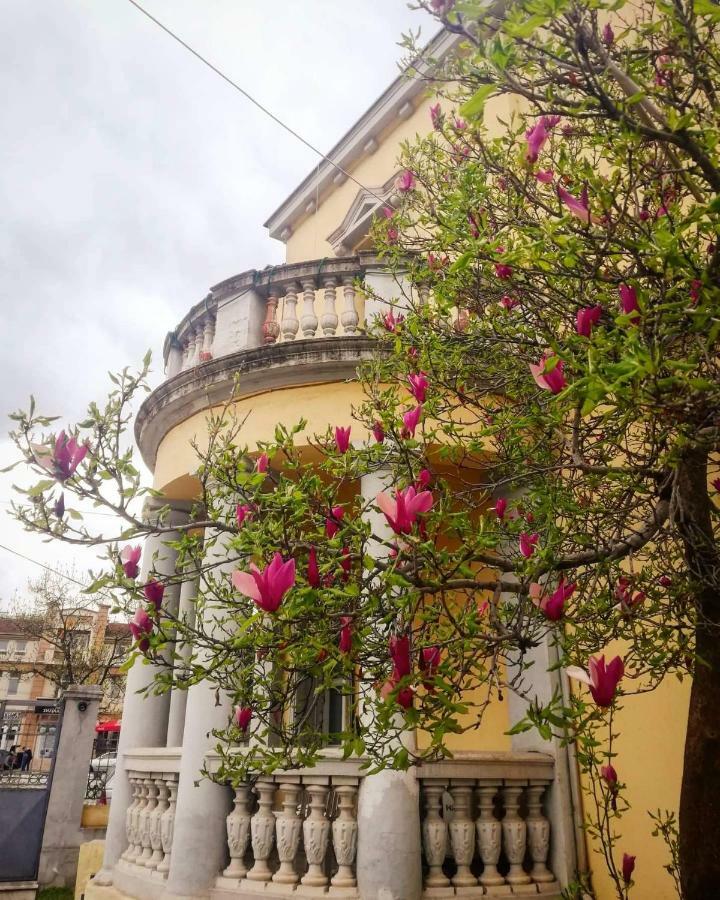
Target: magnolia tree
<point>540,424</point>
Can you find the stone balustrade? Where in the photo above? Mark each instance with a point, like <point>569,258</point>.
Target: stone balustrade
<point>483,827</point>
<point>149,821</point>
<point>294,830</point>
<point>315,299</point>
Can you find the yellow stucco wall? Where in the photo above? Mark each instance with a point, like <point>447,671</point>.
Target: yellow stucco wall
<point>651,729</point>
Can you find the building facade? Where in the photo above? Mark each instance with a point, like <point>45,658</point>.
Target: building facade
<point>506,809</point>
<point>32,675</point>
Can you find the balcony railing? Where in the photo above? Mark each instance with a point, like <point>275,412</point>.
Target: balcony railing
<point>484,832</point>
<point>315,299</point>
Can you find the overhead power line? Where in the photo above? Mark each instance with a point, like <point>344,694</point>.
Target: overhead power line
<point>249,97</point>
<point>57,572</point>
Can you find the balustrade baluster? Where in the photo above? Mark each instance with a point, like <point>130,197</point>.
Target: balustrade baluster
<point>349,316</point>
<point>316,833</point>
<point>308,321</point>
<point>139,820</point>
<point>270,328</point>
<point>208,339</point>
<point>462,832</point>
<point>199,336</point>
<point>345,836</point>
<point>538,833</point>
<point>130,812</point>
<point>514,835</point>
<point>238,832</point>
<point>150,805</point>
<point>157,814</point>
<point>288,825</point>
<point>435,833</point>
<point>329,319</point>
<point>167,824</point>
<point>262,830</point>
<point>424,294</point>
<point>290,322</point>
<point>489,834</point>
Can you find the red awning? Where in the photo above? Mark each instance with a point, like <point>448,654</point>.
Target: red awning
<point>108,726</point>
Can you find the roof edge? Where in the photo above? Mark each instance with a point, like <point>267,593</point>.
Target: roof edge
<point>395,102</point>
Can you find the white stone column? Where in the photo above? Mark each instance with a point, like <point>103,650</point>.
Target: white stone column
<point>174,358</point>
<point>389,842</point>
<point>199,836</point>
<point>178,698</point>
<point>145,717</point>
<point>385,291</point>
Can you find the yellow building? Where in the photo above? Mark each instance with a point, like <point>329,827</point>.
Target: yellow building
<point>503,818</point>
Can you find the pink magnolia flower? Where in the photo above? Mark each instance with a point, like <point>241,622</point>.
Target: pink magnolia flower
<point>59,506</point>
<point>345,641</point>
<point>602,679</point>
<point>243,717</point>
<point>267,587</point>
<point>695,286</point>
<point>391,322</point>
<point>423,480</point>
<point>419,384</point>
<point>644,214</point>
<point>392,234</point>
<point>609,775</point>
<point>628,867</point>
<point>405,697</point>
<point>378,432</point>
<point>500,507</point>
<point>342,439</point>
<point>508,302</point>
<point>527,543</point>
<point>545,176</point>
<point>441,7</point>
<point>665,581</point>
<point>405,182</point>
<point>608,35</point>
<point>429,663</point>
<point>262,462</point>
<point>436,116</point>
<point>549,379</point>
<point>154,591</point>
<point>437,261</point>
<point>313,571</point>
<point>242,512</point>
<point>399,648</point>
<point>460,123</point>
<point>579,207</point>
<point>411,420</point>
<point>332,523</point>
<point>402,512</point>
<point>629,301</point>
<point>141,625</point>
<point>64,458</point>
<point>503,271</point>
<point>716,483</point>
<point>130,557</point>
<point>586,317</point>
<point>553,605</point>
<point>538,135</point>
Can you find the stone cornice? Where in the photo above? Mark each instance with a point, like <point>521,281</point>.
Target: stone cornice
<point>396,102</point>
<point>261,369</point>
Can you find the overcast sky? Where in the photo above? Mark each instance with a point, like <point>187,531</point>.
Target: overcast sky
<point>132,178</point>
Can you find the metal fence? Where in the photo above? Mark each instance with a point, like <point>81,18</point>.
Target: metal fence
<point>28,733</point>
<point>102,768</point>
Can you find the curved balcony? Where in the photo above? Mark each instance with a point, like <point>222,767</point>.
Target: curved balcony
<point>279,327</point>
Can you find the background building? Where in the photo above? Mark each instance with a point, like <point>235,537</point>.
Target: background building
<point>36,664</point>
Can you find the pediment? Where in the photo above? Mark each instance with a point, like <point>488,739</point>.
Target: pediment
<point>360,216</point>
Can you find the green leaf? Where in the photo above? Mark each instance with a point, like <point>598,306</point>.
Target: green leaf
<point>474,107</point>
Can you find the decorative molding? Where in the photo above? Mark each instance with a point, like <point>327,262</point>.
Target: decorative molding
<point>360,216</point>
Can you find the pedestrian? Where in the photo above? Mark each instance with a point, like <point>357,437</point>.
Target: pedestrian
<point>17,761</point>
<point>26,759</point>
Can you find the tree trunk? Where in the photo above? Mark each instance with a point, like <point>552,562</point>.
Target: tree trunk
<point>700,795</point>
